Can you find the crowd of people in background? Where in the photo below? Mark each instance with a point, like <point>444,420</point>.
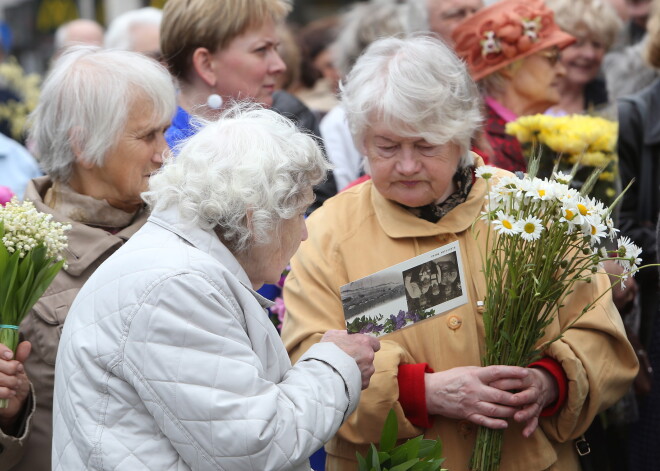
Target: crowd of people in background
<point>194,149</point>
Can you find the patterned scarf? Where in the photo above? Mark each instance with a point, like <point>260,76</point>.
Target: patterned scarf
<point>463,179</point>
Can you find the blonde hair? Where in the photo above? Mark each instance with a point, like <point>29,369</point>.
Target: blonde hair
<point>212,24</point>
<point>595,18</point>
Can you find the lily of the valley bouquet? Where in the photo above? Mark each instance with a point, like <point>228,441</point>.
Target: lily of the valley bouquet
<point>30,256</point>
<point>543,237</point>
<point>589,141</point>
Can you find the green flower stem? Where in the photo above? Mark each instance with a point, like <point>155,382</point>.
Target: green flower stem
<point>8,337</point>
<point>487,452</point>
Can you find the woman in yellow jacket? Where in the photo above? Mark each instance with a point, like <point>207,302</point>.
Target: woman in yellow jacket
<point>413,110</point>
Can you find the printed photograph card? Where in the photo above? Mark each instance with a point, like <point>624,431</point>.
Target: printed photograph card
<point>409,292</point>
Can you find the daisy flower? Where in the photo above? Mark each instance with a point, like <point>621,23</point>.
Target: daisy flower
<point>530,228</point>
<point>542,190</point>
<point>630,252</point>
<point>594,229</point>
<point>562,177</point>
<point>485,171</point>
<point>505,224</point>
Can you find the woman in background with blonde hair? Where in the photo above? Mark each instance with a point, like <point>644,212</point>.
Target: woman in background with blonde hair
<point>226,51</point>
<point>595,25</point>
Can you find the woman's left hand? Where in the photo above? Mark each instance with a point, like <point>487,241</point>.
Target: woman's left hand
<point>537,390</point>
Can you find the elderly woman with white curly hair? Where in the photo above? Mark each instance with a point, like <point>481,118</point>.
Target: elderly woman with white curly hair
<point>168,359</point>
<point>98,132</point>
<point>413,110</point>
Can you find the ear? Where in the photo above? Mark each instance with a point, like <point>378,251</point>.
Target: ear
<point>76,148</point>
<point>202,62</point>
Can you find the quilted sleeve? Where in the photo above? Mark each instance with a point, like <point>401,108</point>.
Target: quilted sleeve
<point>192,363</point>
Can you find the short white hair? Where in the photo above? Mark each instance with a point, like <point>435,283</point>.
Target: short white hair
<point>85,101</point>
<point>120,31</point>
<point>416,87</point>
<point>242,175</point>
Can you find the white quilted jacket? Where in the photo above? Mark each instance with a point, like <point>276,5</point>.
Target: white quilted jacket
<point>168,362</point>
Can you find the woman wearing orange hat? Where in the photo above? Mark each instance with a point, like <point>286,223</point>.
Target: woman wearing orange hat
<point>512,49</point>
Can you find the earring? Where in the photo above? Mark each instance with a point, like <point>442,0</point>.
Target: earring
<point>214,101</point>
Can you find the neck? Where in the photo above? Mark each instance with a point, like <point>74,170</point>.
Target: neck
<point>192,98</point>
<point>518,104</point>
<point>84,182</point>
<point>571,97</point>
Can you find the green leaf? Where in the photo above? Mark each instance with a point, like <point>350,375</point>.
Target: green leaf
<point>405,466</point>
<point>430,449</point>
<point>42,281</point>
<point>362,464</point>
<point>375,459</point>
<point>9,281</point>
<point>390,432</point>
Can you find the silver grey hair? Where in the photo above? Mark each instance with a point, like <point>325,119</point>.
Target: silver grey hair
<point>119,34</point>
<point>366,22</point>
<point>416,87</point>
<point>241,175</point>
<point>85,103</point>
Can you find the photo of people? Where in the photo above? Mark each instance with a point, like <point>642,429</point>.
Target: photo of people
<point>432,283</point>
<point>406,293</point>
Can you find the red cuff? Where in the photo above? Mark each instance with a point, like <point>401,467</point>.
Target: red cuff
<point>553,367</point>
<point>412,393</point>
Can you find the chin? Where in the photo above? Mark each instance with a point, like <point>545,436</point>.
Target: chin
<point>266,101</point>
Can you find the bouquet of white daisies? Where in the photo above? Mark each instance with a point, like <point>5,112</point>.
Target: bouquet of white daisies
<point>543,237</point>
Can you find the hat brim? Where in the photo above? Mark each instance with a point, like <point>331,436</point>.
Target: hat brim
<point>555,38</point>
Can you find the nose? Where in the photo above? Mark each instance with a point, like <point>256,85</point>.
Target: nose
<point>407,164</point>
<point>277,65</point>
<point>159,148</point>
<point>588,50</point>
<point>560,69</point>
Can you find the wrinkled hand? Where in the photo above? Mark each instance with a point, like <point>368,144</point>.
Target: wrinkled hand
<point>14,383</point>
<point>360,347</point>
<point>472,393</point>
<point>534,393</point>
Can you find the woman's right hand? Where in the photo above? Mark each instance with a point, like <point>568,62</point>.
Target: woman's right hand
<point>465,393</point>
<point>14,384</point>
<point>362,348</point>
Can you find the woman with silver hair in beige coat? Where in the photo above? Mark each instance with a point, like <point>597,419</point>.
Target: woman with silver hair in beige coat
<point>98,131</point>
<point>413,110</point>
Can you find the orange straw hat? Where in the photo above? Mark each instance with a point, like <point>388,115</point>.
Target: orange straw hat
<point>504,32</point>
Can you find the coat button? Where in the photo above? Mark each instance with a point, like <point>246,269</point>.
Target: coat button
<point>480,307</point>
<point>465,428</point>
<point>454,322</point>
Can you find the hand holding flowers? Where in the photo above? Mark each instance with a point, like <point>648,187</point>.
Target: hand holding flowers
<point>14,385</point>
<point>30,258</point>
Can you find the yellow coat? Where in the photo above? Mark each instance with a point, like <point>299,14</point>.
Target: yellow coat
<point>359,232</point>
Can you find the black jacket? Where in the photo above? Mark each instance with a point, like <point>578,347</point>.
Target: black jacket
<point>639,159</point>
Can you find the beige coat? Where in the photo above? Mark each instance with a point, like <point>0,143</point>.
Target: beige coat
<point>88,248</point>
<point>358,233</point>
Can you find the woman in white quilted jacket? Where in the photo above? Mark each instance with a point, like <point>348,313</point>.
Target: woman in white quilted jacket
<point>168,359</point>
